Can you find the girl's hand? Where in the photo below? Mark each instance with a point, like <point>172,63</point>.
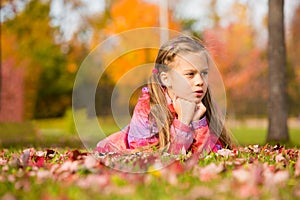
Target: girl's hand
<point>200,111</point>
<point>188,111</point>
<point>185,110</point>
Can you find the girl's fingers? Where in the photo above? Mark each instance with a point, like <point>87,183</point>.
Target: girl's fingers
<point>199,105</point>
<point>174,99</point>
<point>200,111</point>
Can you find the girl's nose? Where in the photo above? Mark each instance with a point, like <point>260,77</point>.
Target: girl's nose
<point>199,80</point>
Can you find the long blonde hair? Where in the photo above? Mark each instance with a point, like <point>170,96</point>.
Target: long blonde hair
<point>159,106</point>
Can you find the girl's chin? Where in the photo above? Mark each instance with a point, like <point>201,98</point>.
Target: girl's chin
<point>198,101</point>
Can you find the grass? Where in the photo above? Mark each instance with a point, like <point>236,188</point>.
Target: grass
<point>202,181</point>
<point>257,135</point>
<point>244,135</point>
<point>60,132</point>
<point>19,183</point>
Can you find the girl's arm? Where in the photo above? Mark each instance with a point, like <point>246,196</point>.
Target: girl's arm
<point>181,137</point>
<point>141,133</point>
<point>196,137</point>
<point>204,139</point>
<point>187,124</point>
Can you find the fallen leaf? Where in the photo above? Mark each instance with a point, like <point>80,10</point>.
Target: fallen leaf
<point>199,192</point>
<point>280,158</point>
<point>3,162</point>
<point>25,156</point>
<point>210,171</point>
<point>276,178</point>
<point>225,153</point>
<point>43,174</point>
<point>93,180</point>
<point>90,162</point>
<point>281,176</point>
<point>247,190</point>
<point>8,196</point>
<point>241,175</point>
<point>68,166</point>
<point>14,161</point>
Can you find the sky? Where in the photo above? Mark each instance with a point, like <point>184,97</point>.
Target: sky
<point>69,22</point>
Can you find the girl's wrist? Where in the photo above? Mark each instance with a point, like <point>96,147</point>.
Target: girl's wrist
<point>184,121</point>
<point>182,126</point>
<point>199,123</point>
<point>202,118</point>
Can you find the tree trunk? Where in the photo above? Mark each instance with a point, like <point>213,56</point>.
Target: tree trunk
<point>277,130</point>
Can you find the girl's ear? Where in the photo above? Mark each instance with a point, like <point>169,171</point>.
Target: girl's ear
<point>165,79</point>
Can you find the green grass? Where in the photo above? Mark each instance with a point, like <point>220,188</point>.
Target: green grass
<point>257,135</point>
<point>18,182</point>
<point>61,132</point>
<point>29,134</point>
<point>13,133</point>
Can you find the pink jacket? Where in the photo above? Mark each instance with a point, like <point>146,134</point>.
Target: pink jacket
<point>140,132</point>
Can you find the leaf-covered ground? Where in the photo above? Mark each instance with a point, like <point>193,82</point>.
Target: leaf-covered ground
<point>252,172</point>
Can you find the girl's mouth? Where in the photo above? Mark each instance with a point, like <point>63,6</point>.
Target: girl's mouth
<point>199,93</point>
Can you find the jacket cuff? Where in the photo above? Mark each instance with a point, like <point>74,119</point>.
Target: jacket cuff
<point>181,126</point>
<point>199,123</point>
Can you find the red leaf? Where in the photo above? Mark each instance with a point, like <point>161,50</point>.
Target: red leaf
<point>40,161</point>
<point>76,155</point>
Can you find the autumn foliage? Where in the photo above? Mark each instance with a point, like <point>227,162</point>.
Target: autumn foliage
<point>44,63</point>
<point>130,14</point>
<point>242,67</point>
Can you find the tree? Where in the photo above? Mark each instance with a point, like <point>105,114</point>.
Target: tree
<point>293,76</point>
<point>142,14</point>
<point>12,80</point>
<point>241,62</point>
<point>46,80</point>
<point>277,130</point>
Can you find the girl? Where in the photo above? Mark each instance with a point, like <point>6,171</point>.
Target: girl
<point>176,111</point>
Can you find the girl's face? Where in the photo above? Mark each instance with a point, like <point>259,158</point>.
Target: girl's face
<point>188,77</point>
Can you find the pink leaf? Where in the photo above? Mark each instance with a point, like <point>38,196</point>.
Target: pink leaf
<point>199,192</point>
<point>68,166</point>
<point>40,161</point>
<point>241,175</point>
<point>43,174</point>
<point>272,179</point>
<point>225,153</point>
<point>25,156</point>
<point>281,177</point>
<point>3,162</point>
<point>90,162</point>
<point>280,158</point>
<point>97,181</point>
<point>248,190</point>
<point>210,172</point>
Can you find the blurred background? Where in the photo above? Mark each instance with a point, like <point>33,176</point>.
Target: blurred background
<point>43,43</point>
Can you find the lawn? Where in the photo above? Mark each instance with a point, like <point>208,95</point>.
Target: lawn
<point>259,172</point>
<point>60,132</point>
<point>257,135</point>
<point>44,159</point>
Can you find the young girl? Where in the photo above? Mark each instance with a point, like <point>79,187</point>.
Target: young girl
<point>175,112</point>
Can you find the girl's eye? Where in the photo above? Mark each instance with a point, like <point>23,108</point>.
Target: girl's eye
<point>191,74</point>
<point>205,73</point>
